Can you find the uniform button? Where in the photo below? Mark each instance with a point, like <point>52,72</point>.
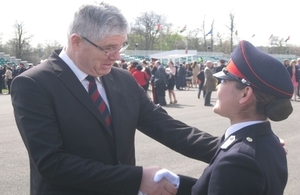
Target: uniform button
<point>249,139</point>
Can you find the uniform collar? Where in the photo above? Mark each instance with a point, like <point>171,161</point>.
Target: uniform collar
<point>238,126</point>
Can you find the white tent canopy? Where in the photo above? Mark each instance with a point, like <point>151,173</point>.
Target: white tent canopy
<point>174,54</point>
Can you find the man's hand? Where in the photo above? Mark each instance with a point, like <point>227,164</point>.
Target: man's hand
<point>168,175</point>
<point>150,187</point>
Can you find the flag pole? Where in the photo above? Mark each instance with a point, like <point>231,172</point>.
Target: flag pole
<point>186,44</point>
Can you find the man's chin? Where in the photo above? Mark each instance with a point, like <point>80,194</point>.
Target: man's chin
<point>216,108</point>
<point>105,70</point>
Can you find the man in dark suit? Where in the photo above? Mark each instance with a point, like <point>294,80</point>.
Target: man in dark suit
<point>160,83</point>
<point>2,71</point>
<point>72,149</point>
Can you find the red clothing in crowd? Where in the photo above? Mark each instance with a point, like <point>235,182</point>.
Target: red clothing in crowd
<point>132,70</point>
<point>141,77</point>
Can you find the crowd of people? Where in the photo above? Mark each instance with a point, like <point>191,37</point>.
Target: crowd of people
<point>184,76</point>
<point>173,75</point>
<point>8,73</point>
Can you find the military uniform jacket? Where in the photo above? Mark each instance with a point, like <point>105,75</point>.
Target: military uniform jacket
<point>72,151</point>
<point>249,162</point>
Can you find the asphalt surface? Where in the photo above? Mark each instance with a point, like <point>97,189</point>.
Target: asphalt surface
<point>14,166</point>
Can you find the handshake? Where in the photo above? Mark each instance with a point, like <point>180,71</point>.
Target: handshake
<point>168,175</point>
<point>163,180</point>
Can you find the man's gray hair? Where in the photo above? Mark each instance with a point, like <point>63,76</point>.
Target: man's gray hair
<point>96,22</point>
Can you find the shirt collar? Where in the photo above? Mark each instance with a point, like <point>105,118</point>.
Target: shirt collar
<point>79,73</point>
<point>236,127</point>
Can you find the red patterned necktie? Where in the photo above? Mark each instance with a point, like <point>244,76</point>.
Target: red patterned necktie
<point>96,97</point>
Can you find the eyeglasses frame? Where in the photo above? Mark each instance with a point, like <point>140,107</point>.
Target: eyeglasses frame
<point>123,48</point>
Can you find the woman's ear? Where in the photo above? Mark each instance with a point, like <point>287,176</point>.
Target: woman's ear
<point>247,95</point>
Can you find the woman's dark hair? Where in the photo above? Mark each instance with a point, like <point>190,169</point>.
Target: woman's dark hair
<point>276,109</point>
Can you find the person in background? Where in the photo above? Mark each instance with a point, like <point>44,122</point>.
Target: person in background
<point>14,71</point>
<point>188,76</point>
<point>78,116</point>
<point>132,66</point>
<point>116,64</point>
<point>21,69</point>
<point>141,77</point>
<point>293,71</point>
<point>123,64</point>
<point>195,69</point>
<point>209,83</point>
<point>286,63</point>
<point>148,71</point>
<point>200,81</point>
<point>171,72</point>
<point>160,84</point>
<point>298,69</point>
<point>180,78</point>
<point>250,159</point>
<point>8,78</point>
<point>1,76</point>
<point>220,68</point>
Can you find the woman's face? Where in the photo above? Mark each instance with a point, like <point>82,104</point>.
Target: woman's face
<point>227,104</point>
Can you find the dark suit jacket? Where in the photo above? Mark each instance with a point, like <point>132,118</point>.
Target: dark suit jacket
<point>253,164</point>
<point>70,148</point>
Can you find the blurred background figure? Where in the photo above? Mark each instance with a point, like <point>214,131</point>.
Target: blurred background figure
<point>141,77</point>
<point>171,72</point>
<point>195,69</point>
<point>8,78</point>
<point>293,71</point>
<point>210,82</point>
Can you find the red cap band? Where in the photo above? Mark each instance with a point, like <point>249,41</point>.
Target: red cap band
<point>231,67</point>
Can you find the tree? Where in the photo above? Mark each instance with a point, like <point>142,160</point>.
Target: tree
<point>148,27</point>
<point>20,44</point>
<point>231,28</point>
<point>46,50</point>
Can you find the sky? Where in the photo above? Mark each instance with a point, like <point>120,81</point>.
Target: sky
<point>255,20</point>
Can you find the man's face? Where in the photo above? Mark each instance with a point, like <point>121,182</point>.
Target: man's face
<point>209,64</point>
<point>93,60</point>
<point>157,64</point>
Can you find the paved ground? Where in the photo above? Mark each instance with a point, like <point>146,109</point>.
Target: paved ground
<point>14,171</point>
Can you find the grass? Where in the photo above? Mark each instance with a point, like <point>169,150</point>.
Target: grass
<point>4,91</point>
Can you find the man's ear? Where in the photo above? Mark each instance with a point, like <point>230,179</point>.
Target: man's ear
<point>247,95</point>
<point>75,41</point>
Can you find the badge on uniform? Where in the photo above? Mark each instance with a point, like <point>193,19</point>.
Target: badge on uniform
<point>228,142</point>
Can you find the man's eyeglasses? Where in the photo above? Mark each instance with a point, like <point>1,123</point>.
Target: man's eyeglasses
<point>109,52</point>
<point>242,80</point>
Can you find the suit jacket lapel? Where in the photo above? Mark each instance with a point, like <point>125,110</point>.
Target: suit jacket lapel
<point>69,79</point>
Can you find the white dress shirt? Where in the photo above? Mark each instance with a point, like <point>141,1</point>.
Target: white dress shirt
<point>81,76</point>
